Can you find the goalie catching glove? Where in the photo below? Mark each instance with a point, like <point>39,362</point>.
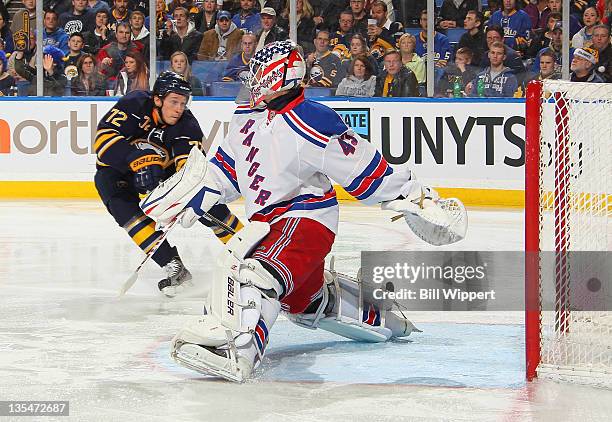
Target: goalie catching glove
<point>192,189</point>
<point>435,220</point>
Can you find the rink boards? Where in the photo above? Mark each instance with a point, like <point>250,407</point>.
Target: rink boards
<point>469,148</point>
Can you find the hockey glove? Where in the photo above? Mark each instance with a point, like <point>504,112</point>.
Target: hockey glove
<point>147,168</point>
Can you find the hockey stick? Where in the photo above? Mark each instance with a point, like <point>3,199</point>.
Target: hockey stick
<point>132,278</point>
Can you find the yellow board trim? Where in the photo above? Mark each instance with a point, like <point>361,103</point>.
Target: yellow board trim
<point>86,190</point>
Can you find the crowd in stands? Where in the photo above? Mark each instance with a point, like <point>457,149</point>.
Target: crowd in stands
<point>352,47</point>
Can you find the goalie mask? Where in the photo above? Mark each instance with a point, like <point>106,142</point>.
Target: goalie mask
<point>277,67</point>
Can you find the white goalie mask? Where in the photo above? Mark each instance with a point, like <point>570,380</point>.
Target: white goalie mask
<point>277,67</point>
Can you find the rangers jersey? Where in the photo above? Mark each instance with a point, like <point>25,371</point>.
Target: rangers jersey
<point>283,163</point>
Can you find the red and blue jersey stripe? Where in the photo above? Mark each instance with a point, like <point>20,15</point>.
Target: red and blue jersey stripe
<point>299,203</point>
<point>371,316</point>
<point>314,122</point>
<point>246,109</point>
<point>261,335</point>
<point>364,185</point>
<point>227,166</point>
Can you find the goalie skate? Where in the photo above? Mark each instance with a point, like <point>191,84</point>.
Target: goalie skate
<point>205,361</point>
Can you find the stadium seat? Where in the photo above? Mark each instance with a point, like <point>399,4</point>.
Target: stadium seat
<point>454,34</point>
<point>413,31</point>
<point>224,89</point>
<point>318,92</point>
<point>208,71</point>
<point>439,3</point>
<point>22,88</point>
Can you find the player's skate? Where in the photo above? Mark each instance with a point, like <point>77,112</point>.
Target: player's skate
<point>230,340</point>
<point>347,308</point>
<point>177,280</point>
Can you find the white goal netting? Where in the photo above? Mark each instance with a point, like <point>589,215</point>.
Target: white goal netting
<point>575,210</point>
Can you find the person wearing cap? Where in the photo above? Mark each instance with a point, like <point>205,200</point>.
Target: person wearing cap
<point>54,82</point>
<point>555,46</point>
<point>583,66</point>
<point>247,17</point>
<point>270,31</point>
<point>223,41</point>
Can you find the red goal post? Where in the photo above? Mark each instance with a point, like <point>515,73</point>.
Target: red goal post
<point>568,210</point>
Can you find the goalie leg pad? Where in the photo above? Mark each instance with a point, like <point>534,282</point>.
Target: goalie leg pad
<point>230,340</point>
<point>347,308</point>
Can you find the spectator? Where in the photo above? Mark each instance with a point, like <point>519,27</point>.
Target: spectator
<point>142,5</point>
<point>180,36</point>
<point>238,66</point>
<point>52,33</point>
<point>549,69</point>
<point>474,37</point>
<point>305,24</point>
<point>95,5</point>
<point>270,31</point>
<point>78,19</point>
<point>515,23</point>
<point>180,64</point>
<point>410,59</point>
<point>247,18</point>
<point>512,59</point>
<point>192,9</point>
<point>359,47</point>
<point>100,36</point>
<point>441,45</point>
<point>161,16</point>
<point>345,30</point>
<point>582,38</point>
<point>541,39</point>
<point>413,10</point>
<point>601,43</point>
<point>54,82</point>
<point>453,12</point>
<point>207,17</point>
<point>360,82</point>
<point>396,80</point>
<point>134,76</point>
<point>385,28</point>
<point>324,68</point>
<point>7,82</point>
<point>111,57</point>
<point>119,14</point>
<point>461,70</point>
<point>583,66</point>
<point>139,32</point>
<point>6,35</point>
<point>604,7</point>
<point>17,21</point>
<point>535,9</point>
<point>75,50</point>
<point>360,17</point>
<point>497,79</point>
<point>326,13</point>
<point>88,82</point>
<point>60,6</point>
<point>223,41</point>
<point>555,47</point>
<point>557,6</point>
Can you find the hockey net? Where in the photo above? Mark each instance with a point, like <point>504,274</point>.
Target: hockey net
<point>568,231</point>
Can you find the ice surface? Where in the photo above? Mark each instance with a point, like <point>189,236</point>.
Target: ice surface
<point>65,336</point>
